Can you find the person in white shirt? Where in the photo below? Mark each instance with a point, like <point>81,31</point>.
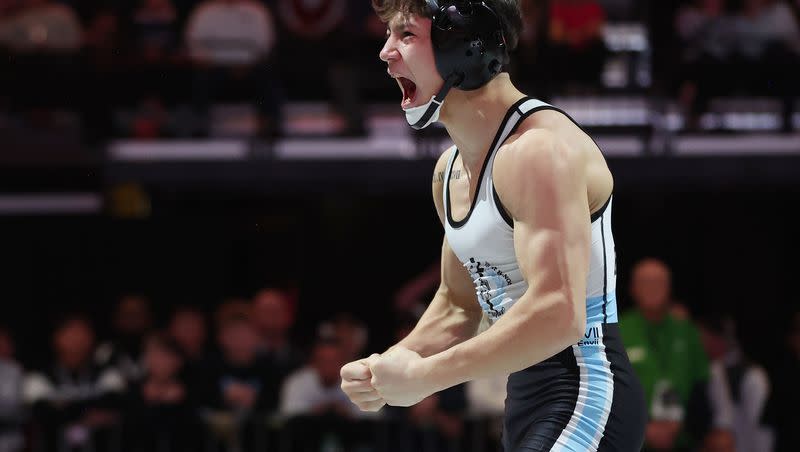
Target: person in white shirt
<point>487,396</point>
<point>738,389</point>
<point>231,42</point>
<point>319,413</point>
<point>314,389</point>
<point>12,409</point>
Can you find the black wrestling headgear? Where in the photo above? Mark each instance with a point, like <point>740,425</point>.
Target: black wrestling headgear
<point>468,42</point>
<point>468,45</point>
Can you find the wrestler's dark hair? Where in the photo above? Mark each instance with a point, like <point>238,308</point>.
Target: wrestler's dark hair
<point>508,11</point>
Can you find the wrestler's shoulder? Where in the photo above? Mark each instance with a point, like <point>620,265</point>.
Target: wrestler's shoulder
<point>533,147</point>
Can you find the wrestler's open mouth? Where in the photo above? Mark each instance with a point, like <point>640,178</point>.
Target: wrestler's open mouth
<point>409,92</point>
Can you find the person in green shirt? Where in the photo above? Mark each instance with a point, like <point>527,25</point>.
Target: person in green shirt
<point>666,354</point>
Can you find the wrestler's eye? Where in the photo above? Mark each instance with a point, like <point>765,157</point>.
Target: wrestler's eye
<point>407,34</point>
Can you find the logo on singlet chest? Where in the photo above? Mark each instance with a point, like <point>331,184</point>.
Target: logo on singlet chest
<point>490,285</point>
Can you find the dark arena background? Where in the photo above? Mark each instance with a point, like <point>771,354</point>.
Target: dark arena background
<point>206,208</point>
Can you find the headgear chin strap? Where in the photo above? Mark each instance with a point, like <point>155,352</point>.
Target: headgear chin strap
<point>424,115</point>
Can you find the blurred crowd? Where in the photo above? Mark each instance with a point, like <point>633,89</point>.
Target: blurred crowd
<point>155,68</point>
<point>233,379</point>
<point>237,379</point>
<point>757,40</point>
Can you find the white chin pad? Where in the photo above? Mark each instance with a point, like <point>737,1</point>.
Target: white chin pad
<point>415,114</point>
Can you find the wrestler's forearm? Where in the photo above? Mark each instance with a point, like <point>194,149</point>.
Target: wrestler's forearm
<point>528,334</point>
<point>442,326</point>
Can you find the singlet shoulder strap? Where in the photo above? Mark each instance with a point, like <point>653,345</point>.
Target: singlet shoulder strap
<point>526,109</point>
<point>519,112</point>
<point>531,105</point>
<point>523,109</point>
<point>514,116</point>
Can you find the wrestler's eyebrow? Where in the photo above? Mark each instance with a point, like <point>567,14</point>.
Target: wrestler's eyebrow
<point>399,26</point>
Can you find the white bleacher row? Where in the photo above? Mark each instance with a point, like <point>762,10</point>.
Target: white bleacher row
<point>753,126</point>
<point>33,204</point>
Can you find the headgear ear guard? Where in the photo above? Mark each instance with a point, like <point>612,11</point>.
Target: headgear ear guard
<point>468,46</point>
<point>468,42</point>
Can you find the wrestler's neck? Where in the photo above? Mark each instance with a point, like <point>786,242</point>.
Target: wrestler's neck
<point>472,117</point>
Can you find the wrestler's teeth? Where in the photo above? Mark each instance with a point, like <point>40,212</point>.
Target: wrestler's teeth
<point>409,89</point>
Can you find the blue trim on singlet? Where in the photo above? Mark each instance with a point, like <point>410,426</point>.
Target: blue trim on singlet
<point>595,312</point>
<point>585,429</point>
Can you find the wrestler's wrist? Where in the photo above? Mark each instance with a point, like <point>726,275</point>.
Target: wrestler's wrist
<point>423,370</point>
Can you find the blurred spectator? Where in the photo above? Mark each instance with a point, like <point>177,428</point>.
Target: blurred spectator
<point>666,354</point>
<point>487,396</point>
<point>707,34</point>
<point>434,424</point>
<point>187,327</point>
<point>74,401</point>
<point>437,423</point>
<point>486,400</point>
<point>526,64</point>
<point>768,44</point>
<point>273,318</point>
<point>719,440</point>
<point>576,41</point>
<point>155,43</point>
<point>155,30</point>
<point>738,389</point>
<point>239,383</point>
<point>231,42</point>
<point>231,309</point>
<point>101,41</point>
<point>45,37</point>
<point>161,415</point>
<point>150,120</point>
<point>321,417</point>
<point>155,75</point>
<point>349,332</point>
<point>315,389</point>
<point>757,39</point>
<point>11,406</point>
<point>706,30</point>
<point>765,26</point>
<point>132,320</point>
<point>786,399</point>
<point>41,26</point>
<point>101,78</point>
<point>331,31</point>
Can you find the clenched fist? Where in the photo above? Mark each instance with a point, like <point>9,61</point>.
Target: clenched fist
<point>398,376</point>
<point>357,384</point>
